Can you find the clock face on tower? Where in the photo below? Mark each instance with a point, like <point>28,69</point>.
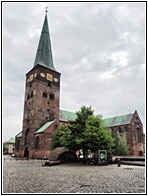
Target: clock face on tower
<point>42,74</point>
<point>49,77</point>
<point>56,79</point>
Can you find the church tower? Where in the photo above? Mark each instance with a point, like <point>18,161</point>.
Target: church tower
<point>42,92</point>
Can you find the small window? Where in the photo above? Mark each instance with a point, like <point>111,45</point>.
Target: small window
<point>119,130</point>
<point>47,108</point>
<point>32,94</point>
<point>28,96</point>
<point>30,84</point>
<point>126,129</point>
<point>49,84</point>
<point>52,96</point>
<point>37,143</point>
<point>45,94</point>
<point>46,117</point>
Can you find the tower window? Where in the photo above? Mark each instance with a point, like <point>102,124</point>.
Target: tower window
<point>28,96</point>
<point>32,94</point>
<point>52,96</point>
<point>49,84</point>
<point>30,84</point>
<point>45,94</point>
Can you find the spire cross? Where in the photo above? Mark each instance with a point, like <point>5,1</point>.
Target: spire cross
<point>46,9</point>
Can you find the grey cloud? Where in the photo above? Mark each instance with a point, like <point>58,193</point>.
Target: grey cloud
<point>83,36</point>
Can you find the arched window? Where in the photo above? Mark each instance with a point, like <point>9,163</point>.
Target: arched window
<point>49,84</point>
<point>37,143</point>
<point>126,129</point>
<point>52,96</point>
<point>139,135</point>
<point>18,145</point>
<point>119,130</point>
<point>27,137</point>
<point>45,94</point>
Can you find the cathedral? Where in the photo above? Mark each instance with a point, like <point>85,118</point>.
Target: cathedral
<point>42,114</point>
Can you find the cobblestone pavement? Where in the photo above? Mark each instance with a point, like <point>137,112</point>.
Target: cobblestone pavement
<point>31,177</point>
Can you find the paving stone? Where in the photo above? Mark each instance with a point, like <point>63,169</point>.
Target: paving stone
<point>31,177</point>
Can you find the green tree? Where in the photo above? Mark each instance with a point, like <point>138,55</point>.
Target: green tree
<point>78,127</point>
<point>62,137</point>
<point>120,147</point>
<point>96,135</point>
<point>86,132</point>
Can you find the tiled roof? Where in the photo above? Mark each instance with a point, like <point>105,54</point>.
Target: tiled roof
<point>19,134</point>
<point>66,115</point>
<point>11,140</point>
<point>108,122</point>
<point>45,126</point>
<point>118,120</point>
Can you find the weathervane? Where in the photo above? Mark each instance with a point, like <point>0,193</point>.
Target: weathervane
<point>46,9</point>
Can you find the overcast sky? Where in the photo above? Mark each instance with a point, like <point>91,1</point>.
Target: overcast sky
<point>99,49</point>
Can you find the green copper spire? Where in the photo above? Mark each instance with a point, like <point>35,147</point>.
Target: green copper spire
<point>44,52</point>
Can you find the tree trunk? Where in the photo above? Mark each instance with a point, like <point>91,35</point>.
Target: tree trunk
<point>84,153</point>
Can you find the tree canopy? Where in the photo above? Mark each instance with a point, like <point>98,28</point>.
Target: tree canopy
<point>85,132</point>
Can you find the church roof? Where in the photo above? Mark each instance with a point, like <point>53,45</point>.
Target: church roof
<point>45,126</point>
<point>108,122</point>
<point>118,120</point>
<point>44,52</point>
<point>19,134</point>
<point>11,140</point>
<point>66,115</point>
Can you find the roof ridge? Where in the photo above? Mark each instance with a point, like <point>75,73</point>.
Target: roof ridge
<point>119,116</point>
<point>67,111</point>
